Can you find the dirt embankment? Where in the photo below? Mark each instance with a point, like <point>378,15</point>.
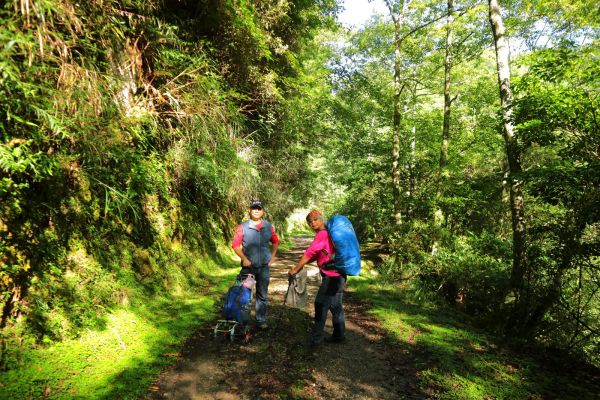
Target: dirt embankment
<point>278,363</point>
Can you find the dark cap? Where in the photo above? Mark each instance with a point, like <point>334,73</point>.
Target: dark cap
<point>256,204</point>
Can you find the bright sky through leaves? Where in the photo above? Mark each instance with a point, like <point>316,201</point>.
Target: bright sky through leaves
<point>357,12</point>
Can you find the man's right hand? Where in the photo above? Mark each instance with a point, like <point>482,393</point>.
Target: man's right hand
<point>246,263</point>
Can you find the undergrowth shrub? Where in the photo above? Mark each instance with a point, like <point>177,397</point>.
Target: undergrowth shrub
<point>114,157</point>
<point>406,250</point>
<point>471,274</point>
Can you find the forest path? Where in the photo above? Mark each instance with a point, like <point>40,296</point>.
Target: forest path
<point>278,363</point>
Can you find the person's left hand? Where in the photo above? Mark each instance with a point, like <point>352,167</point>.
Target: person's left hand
<point>271,262</point>
<point>291,272</point>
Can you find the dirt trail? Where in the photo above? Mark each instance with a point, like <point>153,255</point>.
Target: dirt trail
<point>278,362</point>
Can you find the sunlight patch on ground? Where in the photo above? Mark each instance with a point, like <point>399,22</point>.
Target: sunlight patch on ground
<point>118,359</point>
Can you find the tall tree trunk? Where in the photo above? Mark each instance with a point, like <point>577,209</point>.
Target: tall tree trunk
<point>447,83</point>
<point>517,209</point>
<point>438,217</point>
<point>396,146</point>
<point>410,164</point>
<point>396,159</point>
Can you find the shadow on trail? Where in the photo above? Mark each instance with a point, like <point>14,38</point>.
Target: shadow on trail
<point>420,353</point>
<point>457,360</point>
<point>278,363</point>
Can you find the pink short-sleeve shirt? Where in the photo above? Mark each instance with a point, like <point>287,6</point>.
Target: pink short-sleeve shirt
<point>321,250</point>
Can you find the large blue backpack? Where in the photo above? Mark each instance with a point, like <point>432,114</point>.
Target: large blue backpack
<point>347,252</point>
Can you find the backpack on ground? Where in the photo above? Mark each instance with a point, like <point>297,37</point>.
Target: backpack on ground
<point>347,252</point>
<point>237,304</point>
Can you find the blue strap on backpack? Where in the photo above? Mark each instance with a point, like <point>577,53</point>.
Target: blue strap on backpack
<point>347,252</point>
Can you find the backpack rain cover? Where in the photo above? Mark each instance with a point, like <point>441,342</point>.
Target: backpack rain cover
<point>347,252</point>
<point>237,304</point>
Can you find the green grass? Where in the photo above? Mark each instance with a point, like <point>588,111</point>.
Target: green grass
<point>457,361</point>
<point>121,360</point>
<point>453,359</point>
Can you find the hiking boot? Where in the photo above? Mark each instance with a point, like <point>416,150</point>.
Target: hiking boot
<point>335,339</point>
<point>314,345</point>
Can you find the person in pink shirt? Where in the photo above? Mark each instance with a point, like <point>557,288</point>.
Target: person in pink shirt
<point>329,296</point>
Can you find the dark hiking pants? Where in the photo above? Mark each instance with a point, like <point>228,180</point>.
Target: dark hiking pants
<point>329,297</point>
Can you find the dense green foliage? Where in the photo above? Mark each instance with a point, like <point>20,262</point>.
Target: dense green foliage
<point>557,116</point>
<point>457,361</point>
<point>455,241</point>
<point>134,132</point>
